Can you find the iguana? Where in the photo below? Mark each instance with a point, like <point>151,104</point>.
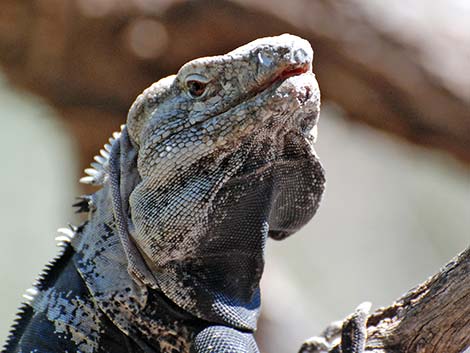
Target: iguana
<point>211,162</point>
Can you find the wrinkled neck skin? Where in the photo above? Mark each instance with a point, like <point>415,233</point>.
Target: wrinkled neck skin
<point>201,224</point>
<point>203,233</point>
<point>210,185</point>
<point>102,263</point>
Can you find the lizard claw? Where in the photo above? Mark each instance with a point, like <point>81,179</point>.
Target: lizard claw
<point>315,345</point>
<point>348,336</point>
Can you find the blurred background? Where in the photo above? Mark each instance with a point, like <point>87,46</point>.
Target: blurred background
<point>394,135</point>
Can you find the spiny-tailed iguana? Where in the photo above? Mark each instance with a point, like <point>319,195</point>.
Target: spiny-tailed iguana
<point>211,162</point>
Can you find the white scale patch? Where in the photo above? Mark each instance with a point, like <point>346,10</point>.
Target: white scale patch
<point>72,317</point>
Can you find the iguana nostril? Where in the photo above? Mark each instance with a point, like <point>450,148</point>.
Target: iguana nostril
<point>265,59</point>
<point>300,56</point>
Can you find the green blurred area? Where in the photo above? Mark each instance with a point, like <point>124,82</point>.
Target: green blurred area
<point>391,216</point>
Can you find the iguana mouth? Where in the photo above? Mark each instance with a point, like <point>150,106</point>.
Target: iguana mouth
<point>285,74</point>
<point>293,72</point>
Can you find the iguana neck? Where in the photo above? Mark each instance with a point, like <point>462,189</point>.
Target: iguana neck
<point>206,248</point>
<point>102,263</point>
<point>201,276</point>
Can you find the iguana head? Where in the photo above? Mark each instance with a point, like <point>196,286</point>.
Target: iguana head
<point>212,104</point>
<point>212,161</point>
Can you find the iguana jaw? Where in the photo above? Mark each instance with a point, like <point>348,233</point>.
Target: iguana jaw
<point>292,101</point>
<point>228,80</point>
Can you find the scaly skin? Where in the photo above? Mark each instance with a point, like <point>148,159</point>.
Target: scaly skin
<point>212,162</point>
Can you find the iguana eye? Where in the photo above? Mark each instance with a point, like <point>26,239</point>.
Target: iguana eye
<point>196,85</point>
<point>196,88</point>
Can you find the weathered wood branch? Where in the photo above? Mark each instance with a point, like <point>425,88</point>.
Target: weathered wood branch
<point>433,317</point>
<point>403,69</point>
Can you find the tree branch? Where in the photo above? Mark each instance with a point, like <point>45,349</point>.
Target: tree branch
<point>433,317</point>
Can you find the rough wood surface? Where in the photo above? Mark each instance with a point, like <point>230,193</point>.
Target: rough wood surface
<point>433,317</point>
<point>403,68</point>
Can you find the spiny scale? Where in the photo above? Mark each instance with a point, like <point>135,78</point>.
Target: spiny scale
<point>25,311</point>
<point>19,324</point>
<point>84,204</point>
<point>64,247</point>
<point>30,294</point>
<point>96,175</point>
<point>65,236</point>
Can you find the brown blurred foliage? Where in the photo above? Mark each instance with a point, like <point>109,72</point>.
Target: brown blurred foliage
<point>398,68</point>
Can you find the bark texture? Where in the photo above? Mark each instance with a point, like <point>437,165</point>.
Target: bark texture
<point>433,317</point>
